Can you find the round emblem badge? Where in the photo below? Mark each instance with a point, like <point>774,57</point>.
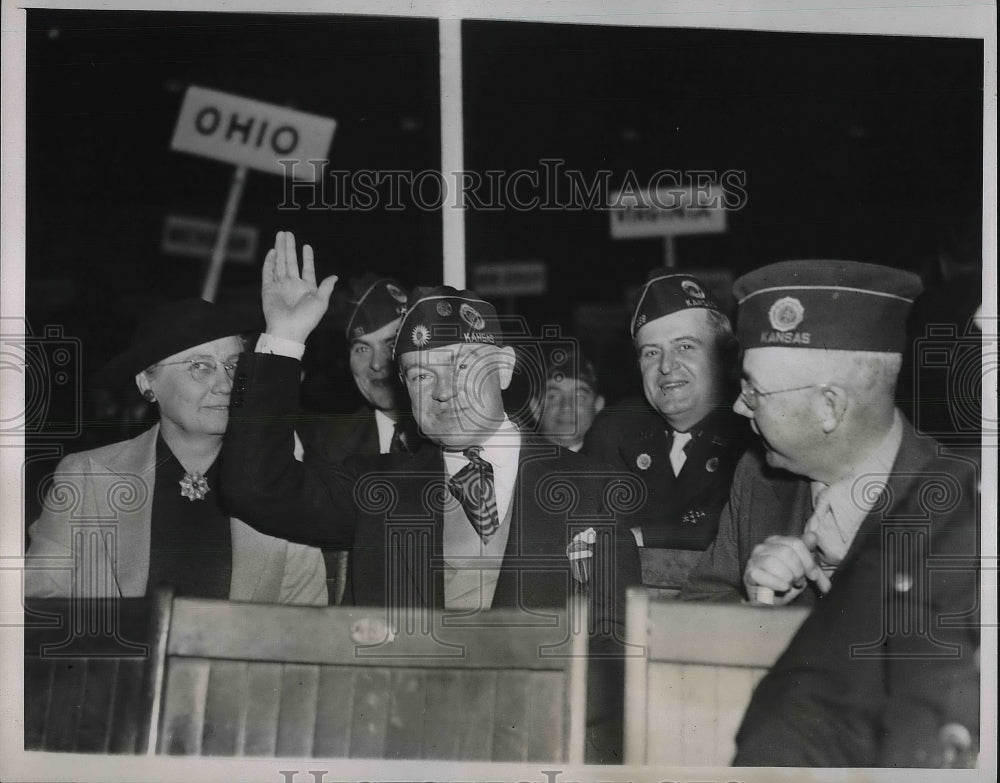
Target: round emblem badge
<point>643,461</point>
<point>420,335</point>
<point>471,316</point>
<point>712,465</point>
<point>443,308</point>
<point>395,293</point>
<point>691,288</point>
<point>786,314</point>
<point>640,320</point>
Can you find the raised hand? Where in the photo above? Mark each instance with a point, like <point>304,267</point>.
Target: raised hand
<point>781,565</point>
<point>293,304</point>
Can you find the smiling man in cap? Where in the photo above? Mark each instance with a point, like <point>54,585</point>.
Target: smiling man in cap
<point>382,424</point>
<point>836,511</point>
<point>466,526</point>
<point>685,443</point>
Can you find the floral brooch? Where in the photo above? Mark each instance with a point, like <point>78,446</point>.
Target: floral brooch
<point>194,486</point>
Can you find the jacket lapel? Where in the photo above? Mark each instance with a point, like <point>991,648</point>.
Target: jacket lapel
<point>901,489</point>
<point>136,465</point>
<point>422,562</point>
<point>524,544</point>
<point>366,435</point>
<point>651,449</point>
<point>257,564</point>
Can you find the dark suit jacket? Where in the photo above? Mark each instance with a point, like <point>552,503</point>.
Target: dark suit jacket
<point>335,438</point>
<point>875,670</point>
<point>679,512</point>
<point>387,508</point>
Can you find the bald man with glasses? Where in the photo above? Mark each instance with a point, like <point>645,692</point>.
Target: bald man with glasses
<point>842,510</point>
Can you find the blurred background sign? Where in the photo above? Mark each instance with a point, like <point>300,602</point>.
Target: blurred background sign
<point>195,237</point>
<point>667,212</point>
<point>511,278</point>
<point>251,133</point>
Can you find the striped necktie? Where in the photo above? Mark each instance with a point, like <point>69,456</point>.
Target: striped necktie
<point>473,487</point>
<point>831,546</point>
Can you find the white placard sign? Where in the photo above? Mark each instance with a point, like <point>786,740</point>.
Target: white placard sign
<point>511,278</point>
<point>667,212</point>
<point>195,238</point>
<point>251,133</point>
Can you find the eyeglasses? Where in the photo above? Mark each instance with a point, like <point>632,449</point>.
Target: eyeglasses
<point>749,393</point>
<point>203,370</point>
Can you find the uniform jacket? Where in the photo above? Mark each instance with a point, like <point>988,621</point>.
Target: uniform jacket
<point>109,491</point>
<point>679,512</point>
<point>875,670</point>
<point>387,508</point>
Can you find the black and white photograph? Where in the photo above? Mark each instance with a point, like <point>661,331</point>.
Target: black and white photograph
<point>442,391</point>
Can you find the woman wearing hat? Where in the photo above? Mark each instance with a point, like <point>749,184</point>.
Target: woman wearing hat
<point>120,520</point>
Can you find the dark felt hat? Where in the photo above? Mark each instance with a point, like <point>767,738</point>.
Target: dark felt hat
<point>840,305</point>
<point>168,329</point>
<point>665,294</point>
<point>444,315</point>
<point>376,302</point>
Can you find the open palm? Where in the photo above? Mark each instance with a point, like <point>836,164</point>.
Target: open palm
<point>293,304</point>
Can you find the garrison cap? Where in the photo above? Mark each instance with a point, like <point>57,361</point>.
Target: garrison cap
<point>443,315</point>
<point>665,294</point>
<point>839,305</point>
<point>376,301</point>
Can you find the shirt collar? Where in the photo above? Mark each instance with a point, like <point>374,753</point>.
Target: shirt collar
<point>854,496</point>
<point>500,449</point>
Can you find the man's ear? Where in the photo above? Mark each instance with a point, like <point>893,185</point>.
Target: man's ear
<point>507,359</point>
<point>599,403</point>
<point>831,405</point>
<point>142,382</point>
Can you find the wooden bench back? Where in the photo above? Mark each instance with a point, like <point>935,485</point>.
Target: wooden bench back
<point>86,684</point>
<point>698,664</point>
<point>261,680</point>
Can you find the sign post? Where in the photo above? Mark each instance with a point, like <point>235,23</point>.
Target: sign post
<point>211,284</point>
<point>248,134</point>
<point>667,213</point>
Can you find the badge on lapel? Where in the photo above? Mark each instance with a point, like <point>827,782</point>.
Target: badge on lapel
<point>712,465</point>
<point>643,461</point>
<point>580,553</point>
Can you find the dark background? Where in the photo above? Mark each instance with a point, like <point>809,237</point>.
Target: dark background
<point>866,148</point>
<point>859,147</point>
<point>103,94</point>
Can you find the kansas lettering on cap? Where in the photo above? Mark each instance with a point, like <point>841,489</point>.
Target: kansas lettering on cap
<point>666,294</point>
<point>444,315</point>
<point>377,302</point>
<point>838,305</point>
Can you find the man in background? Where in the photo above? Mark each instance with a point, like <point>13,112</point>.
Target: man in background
<point>570,401</point>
